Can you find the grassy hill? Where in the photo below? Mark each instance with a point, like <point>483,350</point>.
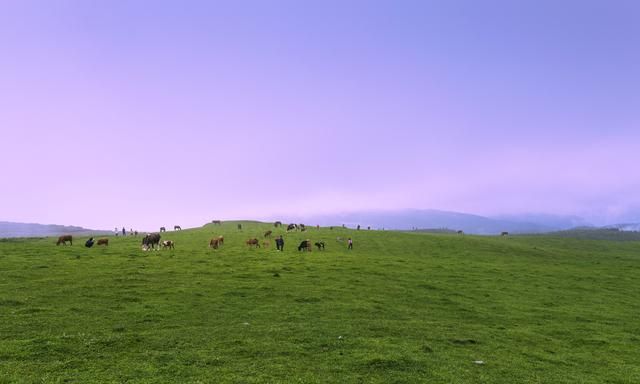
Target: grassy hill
<point>399,308</point>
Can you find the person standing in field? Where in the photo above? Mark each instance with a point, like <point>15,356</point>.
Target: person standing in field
<point>350,246</point>
<point>280,243</point>
<point>124,232</point>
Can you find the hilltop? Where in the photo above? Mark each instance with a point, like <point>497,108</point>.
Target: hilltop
<point>399,308</point>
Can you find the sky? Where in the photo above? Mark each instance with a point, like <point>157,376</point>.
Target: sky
<point>149,113</point>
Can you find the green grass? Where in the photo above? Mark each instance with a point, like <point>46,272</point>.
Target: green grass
<point>399,308</point>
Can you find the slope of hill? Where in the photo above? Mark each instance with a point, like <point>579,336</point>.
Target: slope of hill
<point>9,229</point>
<point>399,307</point>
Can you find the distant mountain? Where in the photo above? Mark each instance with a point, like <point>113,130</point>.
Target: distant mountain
<point>556,222</point>
<point>9,229</point>
<point>627,227</point>
<point>425,219</point>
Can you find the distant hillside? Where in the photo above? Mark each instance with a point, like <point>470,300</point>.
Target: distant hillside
<point>593,233</point>
<point>424,219</point>
<point>9,229</point>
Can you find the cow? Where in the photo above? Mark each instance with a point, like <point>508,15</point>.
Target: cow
<point>267,234</point>
<point>302,227</point>
<point>151,241</point>
<point>266,244</point>
<point>460,232</point>
<point>216,222</point>
<point>504,234</point>
<point>177,228</point>
<point>320,245</point>
<point>214,243</point>
<point>104,242</point>
<point>277,224</point>
<point>305,245</point>
<point>63,240</point>
<point>168,244</point>
<point>163,229</point>
<point>220,239</point>
<point>252,242</point>
<point>291,227</point>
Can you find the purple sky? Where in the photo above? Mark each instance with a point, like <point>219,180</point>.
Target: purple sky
<point>147,113</point>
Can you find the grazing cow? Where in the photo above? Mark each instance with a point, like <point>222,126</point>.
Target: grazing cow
<point>277,224</point>
<point>104,242</point>
<point>266,244</point>
<point>252,242</point>
<point>267,234</point>
<point>214,243</point>
<point>460,232</point>
<point>168,244</point>
<point>291,227</point>
<point>63,240</point>
<point>504,233</point>
<point>220,239</point>
<point>320,245</point>
<point>302,227</point>
<point>216,222</point>
<point>177,228</point>
<point>305,245</point>
<point>151,241</point>
<point>163,229</point>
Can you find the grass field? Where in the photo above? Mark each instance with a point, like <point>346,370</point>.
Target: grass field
<point>399,308</point>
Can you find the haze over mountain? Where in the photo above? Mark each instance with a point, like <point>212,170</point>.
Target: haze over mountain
<point>436,219</point>
<point>9,229</point>
<point>406,219</point>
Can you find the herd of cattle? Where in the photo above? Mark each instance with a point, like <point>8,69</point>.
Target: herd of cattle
<point>152,241</point>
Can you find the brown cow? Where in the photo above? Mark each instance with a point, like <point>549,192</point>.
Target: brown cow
<point>168,244</point>
<point>252,242</point>
<point>214,243</point>
<point>63,240</point>
<point>103,242</point>
<point>268,234</point>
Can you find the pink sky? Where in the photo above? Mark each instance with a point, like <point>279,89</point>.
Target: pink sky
<point>158,113</point>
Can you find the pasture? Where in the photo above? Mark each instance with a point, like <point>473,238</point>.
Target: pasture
<point>398,308</point>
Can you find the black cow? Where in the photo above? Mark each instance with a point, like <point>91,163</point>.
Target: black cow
<point>151,241</point>
<point>320,245</point>
<point>305,245</point>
